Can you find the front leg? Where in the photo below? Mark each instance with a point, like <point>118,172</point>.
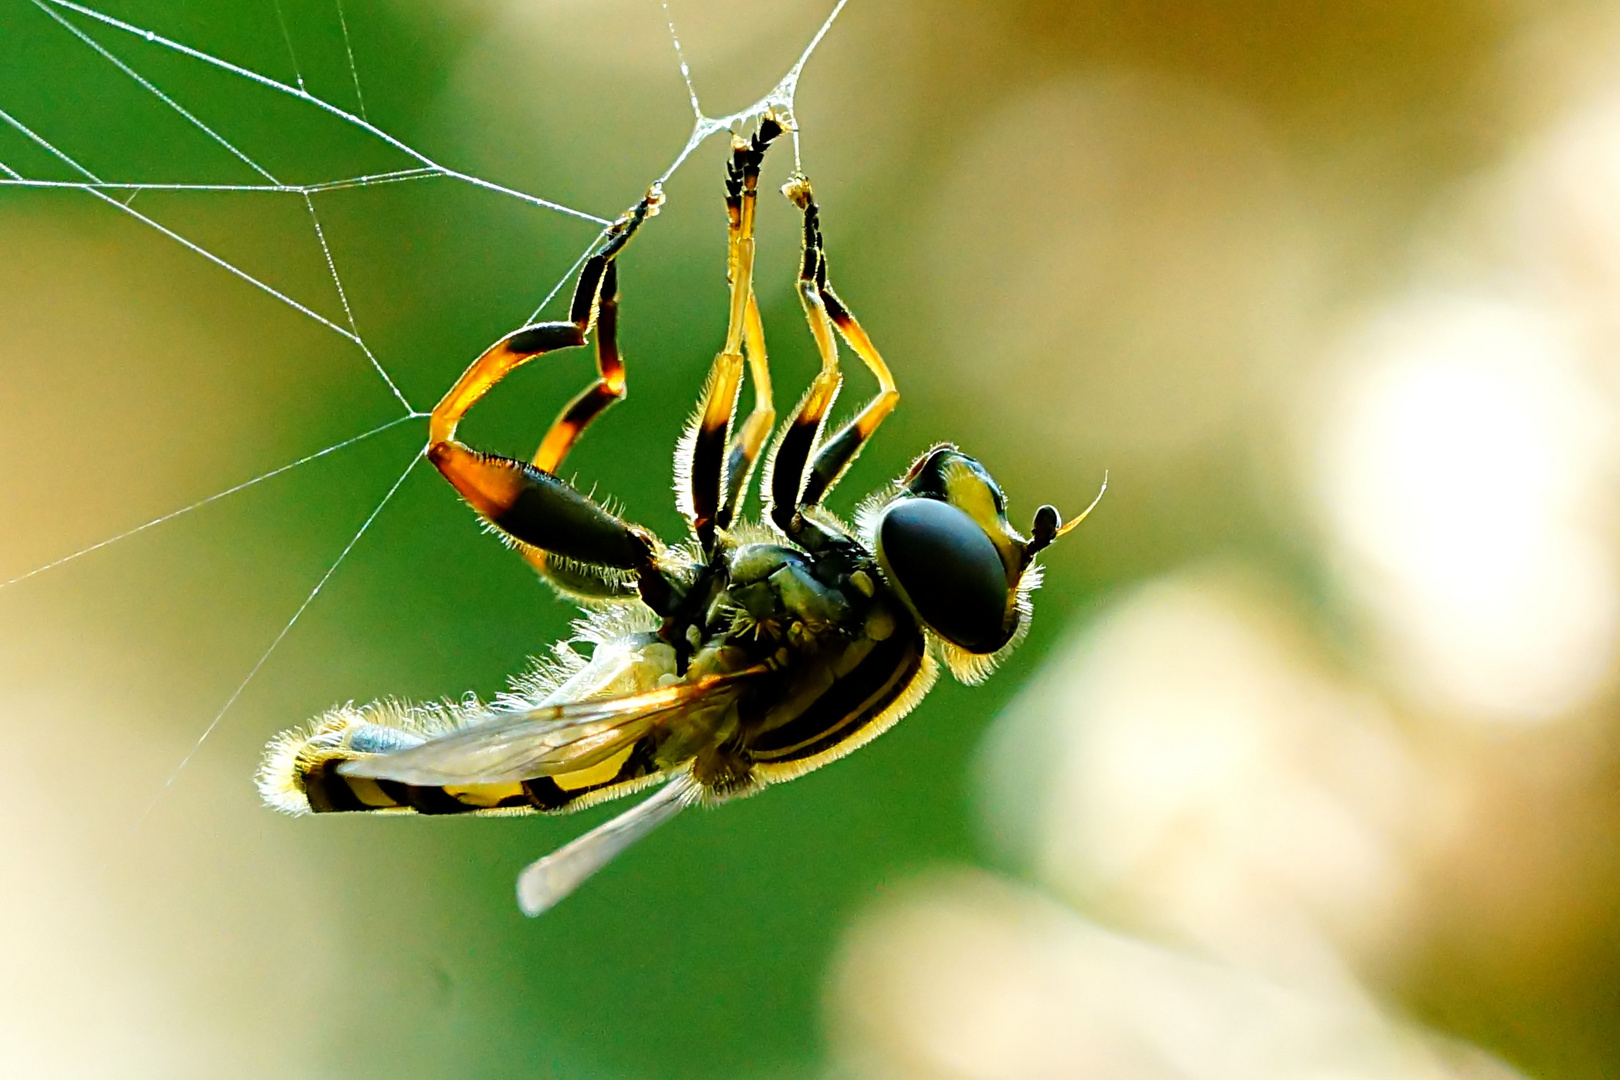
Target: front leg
<point>805,467</point>
<point>836,455</point>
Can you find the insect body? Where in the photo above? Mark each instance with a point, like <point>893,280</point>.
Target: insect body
<point>748,656</point>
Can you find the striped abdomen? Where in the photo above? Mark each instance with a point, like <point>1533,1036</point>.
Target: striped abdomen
<point>300,772</point>
<point>884,682</point>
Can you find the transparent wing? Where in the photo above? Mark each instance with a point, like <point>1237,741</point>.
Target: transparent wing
<point>546,881</point>
<point>543,741</point>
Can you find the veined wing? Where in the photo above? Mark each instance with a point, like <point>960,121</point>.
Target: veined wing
<point>546,881</point>
<point>543,741</point>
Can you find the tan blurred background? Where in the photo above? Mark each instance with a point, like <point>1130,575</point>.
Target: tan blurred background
<point>1308,767</point>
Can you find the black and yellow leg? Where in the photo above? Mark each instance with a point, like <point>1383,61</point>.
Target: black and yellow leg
<point>595,294</point>
<point>756,429</point>
<point>526,500</point>
<point>803,429</point>
<point>798,480</point>
<point>707,487</point>
<point>608,388</point>
<point>835,455</point>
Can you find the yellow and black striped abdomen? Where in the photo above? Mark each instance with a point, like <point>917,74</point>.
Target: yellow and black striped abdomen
<point>856,707</point>
<point>300,771</point>
<point>328,791</point>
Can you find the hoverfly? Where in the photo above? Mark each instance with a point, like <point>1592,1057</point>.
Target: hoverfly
<point>747,656</point>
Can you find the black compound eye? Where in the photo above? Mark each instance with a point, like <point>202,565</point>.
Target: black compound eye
<point>948,569</point>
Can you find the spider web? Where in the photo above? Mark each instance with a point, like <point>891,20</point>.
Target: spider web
<point>139,54</point>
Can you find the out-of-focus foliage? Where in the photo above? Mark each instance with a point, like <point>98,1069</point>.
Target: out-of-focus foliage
<point>1306,766</point>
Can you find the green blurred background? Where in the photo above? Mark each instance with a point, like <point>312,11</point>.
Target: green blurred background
<point>1132,236</point>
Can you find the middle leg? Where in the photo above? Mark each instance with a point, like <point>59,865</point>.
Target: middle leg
<point>713,478</point>
<point>750,440</point>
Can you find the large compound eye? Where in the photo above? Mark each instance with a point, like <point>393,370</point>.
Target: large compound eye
<point>948,569</point>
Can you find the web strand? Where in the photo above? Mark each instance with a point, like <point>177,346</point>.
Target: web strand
<point>370,180</point>
<point>171,234</point>
<point>315,220</point>
<point>348,313</point>
<point>348,52</point>
<point>780,97</point>
<point>304,95</point>
<point>428,166</point>
<point>275,644</point>
<point>292,53</point>
<point>214,498</point>
<point>680,55</point>
<point>154,91</point>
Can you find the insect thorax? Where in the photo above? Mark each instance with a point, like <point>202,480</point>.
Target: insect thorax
<point>848,649</point>
<point>783,597</point>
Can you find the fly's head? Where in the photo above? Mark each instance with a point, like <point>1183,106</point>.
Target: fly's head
<point>943,541</point>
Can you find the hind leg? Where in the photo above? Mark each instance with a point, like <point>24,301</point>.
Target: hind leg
<point>556,527</point>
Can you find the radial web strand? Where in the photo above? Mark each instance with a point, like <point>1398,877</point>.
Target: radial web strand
<point>277,640</point>
<point>218,495</point>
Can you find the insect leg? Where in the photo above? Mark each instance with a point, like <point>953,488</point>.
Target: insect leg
<point>836,454</point>
<point>745,448</point>
<point>523,345</point>
<point>609,386</point>
<point>705,467</point>
<point>545,515</point>
<point>803,429</point>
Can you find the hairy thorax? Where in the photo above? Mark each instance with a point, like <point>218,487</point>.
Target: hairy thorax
<point>844,644</point>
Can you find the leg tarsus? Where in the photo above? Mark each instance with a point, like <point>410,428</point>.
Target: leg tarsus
<point>803,428</point>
